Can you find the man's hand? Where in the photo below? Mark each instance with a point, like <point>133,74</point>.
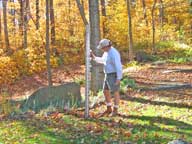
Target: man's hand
<point>92,55</point>
<point>117,82</point>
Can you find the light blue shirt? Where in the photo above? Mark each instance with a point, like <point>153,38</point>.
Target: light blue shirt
<point>111,61</point>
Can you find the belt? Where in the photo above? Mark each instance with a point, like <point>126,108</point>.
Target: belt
<point>114,73</point>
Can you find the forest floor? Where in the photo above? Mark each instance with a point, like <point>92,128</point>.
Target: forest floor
<point>146,75</point>
<point>150,117</point>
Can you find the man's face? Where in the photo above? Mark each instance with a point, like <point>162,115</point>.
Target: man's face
<point>105,49</point>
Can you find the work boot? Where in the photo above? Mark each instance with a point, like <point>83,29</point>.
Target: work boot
<point>115,112</point>
<point>109,110</point>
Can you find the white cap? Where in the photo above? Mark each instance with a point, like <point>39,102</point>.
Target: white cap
<point>104,43</point>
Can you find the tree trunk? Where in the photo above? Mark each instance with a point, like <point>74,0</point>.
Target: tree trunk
<point>70,20</point>
<point>21,24</point>
<point>161,17</point>
<point>144,12</point>
<point>0,31</point>
<point>37,14</point>
<point>161,12</point>
<point>25,24</point>
<point>131,56</point>
<point>97,69</point>
<point>190,10</point>
<point>52,19</point>
<point>103,11</point>
<point>82,12</point>
<point>48,44</point>
<point>14,21</point>
<point>6,35</point>
<point>153,28</point>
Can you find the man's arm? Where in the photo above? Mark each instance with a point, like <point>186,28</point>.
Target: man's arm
<point>118,67</point>
<point>100,60</point>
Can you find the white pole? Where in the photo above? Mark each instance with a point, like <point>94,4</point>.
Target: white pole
<point>87,72</point>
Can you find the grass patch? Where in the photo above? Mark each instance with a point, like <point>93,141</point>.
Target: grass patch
<point>142,119</point>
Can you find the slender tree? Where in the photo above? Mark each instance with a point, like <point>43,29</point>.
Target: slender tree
<point>144,12</point>
<point>6,35</point>
<point>37,15</point>
<point>161,12</point>
<point>161,15</point>
<point>82,12</point>
<point>25,22</point>
<point>153,27</point>
<point>48,43</point>
<point>175,17</point>
<point>103,11</point>
<point>190,10</point>
<point>71,32</point>
<point>103,8</point>
<point>0,30</point>
<point>13,12</point>
<point>52,19</point>
<point>131,56</point>
<point>21,24</point>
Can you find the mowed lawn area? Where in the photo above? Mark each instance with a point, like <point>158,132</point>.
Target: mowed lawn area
<point>144,117</point>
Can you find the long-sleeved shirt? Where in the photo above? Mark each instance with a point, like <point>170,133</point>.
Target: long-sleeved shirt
<point>111,61</point>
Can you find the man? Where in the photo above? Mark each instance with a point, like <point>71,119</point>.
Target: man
<point>113,73</point>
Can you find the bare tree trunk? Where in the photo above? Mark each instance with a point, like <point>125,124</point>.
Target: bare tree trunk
<point>153,27</point>
<point>14,22</point>
<point>190,10</point>
<point>97,75</point>
<point>144,12</point>
<point>6,35</point>
<point>131,56</point>
<point>103,11</point>
<point>80,6</point>
<point>0,31</point>
<point>82,12</point>
<point>71,28</point>
<point>25,24</point>
<point>52,19</point>
<point>37,14</point>
<point>21,25</point>
<point>174,17</point>
<point>161,16</point>
<point>48,44</point>
<point>161,12</point>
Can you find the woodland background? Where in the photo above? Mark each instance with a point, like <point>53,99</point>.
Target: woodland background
<point>42,42</point>
<point>23,29</point>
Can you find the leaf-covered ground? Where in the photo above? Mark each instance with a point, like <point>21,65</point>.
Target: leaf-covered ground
<point>150,117</point>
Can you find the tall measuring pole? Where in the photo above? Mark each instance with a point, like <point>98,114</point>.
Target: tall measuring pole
<point>87,72</point>
<point>87,57</point>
